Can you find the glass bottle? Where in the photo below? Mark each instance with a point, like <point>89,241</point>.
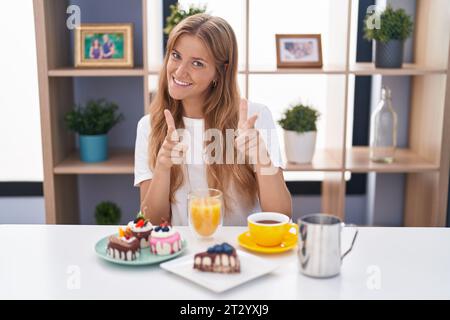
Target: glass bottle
<point>383,130</point>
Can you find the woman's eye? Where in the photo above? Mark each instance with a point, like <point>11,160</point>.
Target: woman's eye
<point>197,64</point>
<point>175,55</point>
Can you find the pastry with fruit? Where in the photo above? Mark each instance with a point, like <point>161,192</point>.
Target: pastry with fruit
<point>141,228</point>
<point>165,240</point>
<point>124,246</point>
<point>221,258</point>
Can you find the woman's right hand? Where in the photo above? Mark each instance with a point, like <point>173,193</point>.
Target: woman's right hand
<point>172,151</point>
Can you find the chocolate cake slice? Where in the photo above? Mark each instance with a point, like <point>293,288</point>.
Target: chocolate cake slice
<point>123,247</point>
<point>221,258</point>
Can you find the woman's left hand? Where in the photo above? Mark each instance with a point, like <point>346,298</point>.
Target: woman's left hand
<point>248,141</point>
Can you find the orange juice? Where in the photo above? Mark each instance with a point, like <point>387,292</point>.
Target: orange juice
<point>205,215</point>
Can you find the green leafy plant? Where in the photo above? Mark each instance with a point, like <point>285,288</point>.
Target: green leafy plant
<point>394,25</point>
<point>177,14</point>
<point>107,212</point>
<point>97,117</point>
<point>300,118</point>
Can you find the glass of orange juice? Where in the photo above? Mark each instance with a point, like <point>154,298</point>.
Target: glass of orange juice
<point>205,211</point>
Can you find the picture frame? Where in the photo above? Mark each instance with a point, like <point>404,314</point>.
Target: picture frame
<point>299,50</point>
<point>105,45</point>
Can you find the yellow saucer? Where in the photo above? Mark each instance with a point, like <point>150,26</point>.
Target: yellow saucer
<point>246,241</point>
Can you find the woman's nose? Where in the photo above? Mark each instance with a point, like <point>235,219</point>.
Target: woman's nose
<point>181,70</point>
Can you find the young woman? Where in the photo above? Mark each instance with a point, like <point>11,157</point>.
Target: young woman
<point>96,50</point>
<point>198,91</point>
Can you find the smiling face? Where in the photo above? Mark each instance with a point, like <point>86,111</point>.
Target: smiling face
<point>190,69</point>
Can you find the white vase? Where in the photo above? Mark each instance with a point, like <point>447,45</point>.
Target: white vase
<point>299,146</point>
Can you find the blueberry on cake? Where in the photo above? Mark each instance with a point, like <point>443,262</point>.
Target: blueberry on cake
<point>165,240</point>
<point>221,258</point>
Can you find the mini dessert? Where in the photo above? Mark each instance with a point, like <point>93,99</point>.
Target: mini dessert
<point>221,258</point>
<point>165,240</point>
<point>123,247</point>
<point>141,228</point>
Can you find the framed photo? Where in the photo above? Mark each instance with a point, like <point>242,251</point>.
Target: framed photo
<point>104,45</point>
<point>299,50</point>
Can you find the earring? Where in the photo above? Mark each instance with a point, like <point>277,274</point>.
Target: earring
<point>214,83</point>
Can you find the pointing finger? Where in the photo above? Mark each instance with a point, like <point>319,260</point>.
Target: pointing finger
<point>171,132</point>
<point>169,119</point>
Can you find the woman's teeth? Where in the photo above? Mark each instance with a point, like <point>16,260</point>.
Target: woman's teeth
<point>181,83</point>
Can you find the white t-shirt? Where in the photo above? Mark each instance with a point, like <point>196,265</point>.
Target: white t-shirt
<point>196,168</point>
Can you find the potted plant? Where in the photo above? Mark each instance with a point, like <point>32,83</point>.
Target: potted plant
<point>394,28</point>
<point>92,123</point>
<point>300,131</point>
<point>177,14</point>
<point>107,212</point>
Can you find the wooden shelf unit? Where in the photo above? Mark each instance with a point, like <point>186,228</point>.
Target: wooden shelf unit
<point>72,72</point>
<point>405,161</point>
<point>119,162</point>
<point>323,160</point>
<point>425,161</point>
<point>122,161</point>
<point>408,69</point>
<point>56,91</point>
<point>359,69</point>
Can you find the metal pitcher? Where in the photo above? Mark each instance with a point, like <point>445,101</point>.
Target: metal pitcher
<point>319,249</point>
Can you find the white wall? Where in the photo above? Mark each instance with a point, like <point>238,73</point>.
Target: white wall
<point>20,131</point>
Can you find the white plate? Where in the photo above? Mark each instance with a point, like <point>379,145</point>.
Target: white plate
<point>251,267</point>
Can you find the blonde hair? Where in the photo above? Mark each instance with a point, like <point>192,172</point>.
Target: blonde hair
<point>221,108</point>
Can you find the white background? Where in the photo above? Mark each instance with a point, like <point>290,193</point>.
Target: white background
<point>20,129</point>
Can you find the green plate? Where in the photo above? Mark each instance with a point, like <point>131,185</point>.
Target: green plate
<point>145,257</point>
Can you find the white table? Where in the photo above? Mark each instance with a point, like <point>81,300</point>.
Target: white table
<point>59,262</point>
